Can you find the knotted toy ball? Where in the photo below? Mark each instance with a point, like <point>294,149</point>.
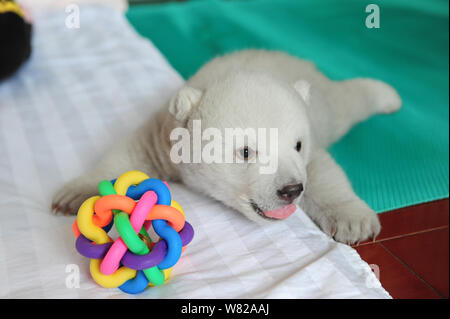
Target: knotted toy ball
<point>133,203</point>
<point>15,37</point>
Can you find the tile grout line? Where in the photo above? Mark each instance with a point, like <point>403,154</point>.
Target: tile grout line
<point>401,236</point>
<point>411,270</point>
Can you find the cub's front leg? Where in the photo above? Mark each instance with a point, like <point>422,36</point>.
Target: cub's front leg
<point>128,155</point>
<point>332,204</point>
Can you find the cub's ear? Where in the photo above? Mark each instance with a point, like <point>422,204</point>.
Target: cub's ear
<point>183,102</point>
<point>303,87</point>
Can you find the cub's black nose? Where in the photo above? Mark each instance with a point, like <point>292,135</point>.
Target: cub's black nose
<point>290,192</point>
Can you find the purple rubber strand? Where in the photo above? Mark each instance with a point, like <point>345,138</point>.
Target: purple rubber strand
<point>86,248</point>
<point>158,252</point>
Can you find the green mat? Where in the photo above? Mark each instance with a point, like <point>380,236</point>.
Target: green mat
<point>392,161</point>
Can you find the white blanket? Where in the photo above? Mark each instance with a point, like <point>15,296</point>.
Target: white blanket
<point>81,91</point>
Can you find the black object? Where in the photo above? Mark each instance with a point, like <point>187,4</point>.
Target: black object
<point>15,43</point>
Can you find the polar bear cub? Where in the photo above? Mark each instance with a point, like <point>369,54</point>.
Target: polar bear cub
<point>248,91</point>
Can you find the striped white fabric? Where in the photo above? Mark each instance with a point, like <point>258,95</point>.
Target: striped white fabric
<point>81,91</point>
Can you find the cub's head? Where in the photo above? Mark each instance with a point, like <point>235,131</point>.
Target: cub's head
<point>245,141</point>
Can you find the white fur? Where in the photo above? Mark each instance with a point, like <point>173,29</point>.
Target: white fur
<point>252,89</point>
<point>303,88</point>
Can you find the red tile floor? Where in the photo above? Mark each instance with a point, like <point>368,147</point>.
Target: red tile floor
<point>412,251</point>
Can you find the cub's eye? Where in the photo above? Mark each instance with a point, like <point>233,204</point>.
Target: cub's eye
<point>246,153</point>
<point>298,147</point>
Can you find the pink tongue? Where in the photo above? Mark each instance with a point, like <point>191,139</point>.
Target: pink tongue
<point>281,213</point>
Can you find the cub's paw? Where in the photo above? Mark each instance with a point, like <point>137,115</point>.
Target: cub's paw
<point>386,97</point>
<point>351,225</point>
<point>69,198</point>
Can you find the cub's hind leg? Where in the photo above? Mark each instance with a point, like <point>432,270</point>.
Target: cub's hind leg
<point>353,101</point>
